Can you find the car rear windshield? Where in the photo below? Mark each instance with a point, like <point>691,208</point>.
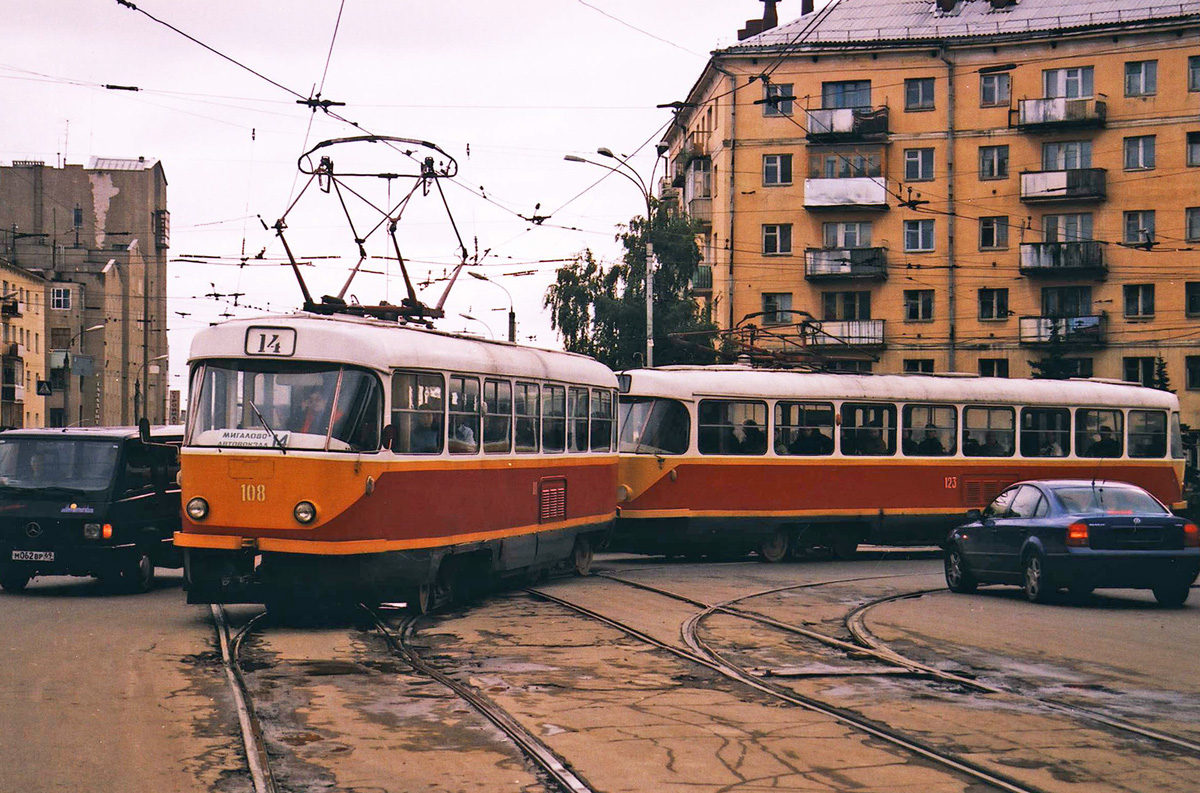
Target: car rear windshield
<point>1102,500</point>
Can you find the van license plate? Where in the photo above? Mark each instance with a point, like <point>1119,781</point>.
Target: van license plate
<point>33,556</point>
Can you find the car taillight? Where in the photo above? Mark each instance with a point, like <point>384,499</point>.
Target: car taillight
<point>1191,535</point>
<point>1077,535</point>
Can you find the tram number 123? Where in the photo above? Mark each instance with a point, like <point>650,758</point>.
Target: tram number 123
<point>254,492</point>
<point>951,482</point>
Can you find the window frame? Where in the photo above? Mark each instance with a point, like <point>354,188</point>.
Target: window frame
<point>993,163</point>
<point>781,238</point>
<point>1138,301</point>
<point>492,397</point>
<point>1146,437</point>
<point>782,163</point>
<point>1001,90</point>
<point>1141,78</point>
<point>918,165</point>
<point>919,94</point>
<point>554,418</point>
<point>947,437</point>
<point>1192,149</point>
<point>1037,442</point>
<point>1090,422</point>
<point>60,298</point>
<point>1139,153</point>
<point>995,364</point>
<point>780,314</point>
<point>522,391</point>
<point>773,105</point>
<point>1140,216</point>
<point>996,300</point>
<point>972,447</point>
<point>1191,224</point>
<point>463,416</point>
<point>1144,366</point>
<point>791,416</point>
<point>998,224</point>
<point>727,430</point>
<point>919,305</point>
<point>885,432</point>
<point>420,388</point>
<point>920,228</point>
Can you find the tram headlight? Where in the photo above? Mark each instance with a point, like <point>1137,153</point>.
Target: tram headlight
<point>305,512</point>
<point>197,509</point>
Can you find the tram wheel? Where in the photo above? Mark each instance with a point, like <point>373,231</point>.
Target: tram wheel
<point>420,599</point>
<point>581,555</point>
<point>843,546</point>
<point>774,548</point>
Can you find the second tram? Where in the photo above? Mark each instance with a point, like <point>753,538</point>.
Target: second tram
<point>729,459</point>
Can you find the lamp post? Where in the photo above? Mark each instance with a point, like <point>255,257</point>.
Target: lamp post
<point>626,170</point>
<point>481,322</point>
<point>512,311</point>
<point>67,378</point>
<point>137,385</point>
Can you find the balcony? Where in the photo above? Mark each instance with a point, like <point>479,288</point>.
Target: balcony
<point>1062,258</point>
<point>13,351</point>
<point>10,309</point>
<point>1034,115</point>
<point>700,210</point>
<point>1085,330</point>
<point>1076,184</point>
<point>702,281</point>
<point>858,192</point>
<point>843,333</point>
<point>828,264</point>
<point>847,124</point>
<point>12,393</point>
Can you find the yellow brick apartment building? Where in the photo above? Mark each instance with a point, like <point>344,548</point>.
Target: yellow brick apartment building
<point>970,185</point>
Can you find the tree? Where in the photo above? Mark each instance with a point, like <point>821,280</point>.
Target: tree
<point>1161,380</point>
<point>1055,365</point>
<point>602,312</point>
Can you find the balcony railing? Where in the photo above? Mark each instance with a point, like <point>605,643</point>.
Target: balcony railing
<point>11,308</point>
<point>1055,258</point>
<point>12,393</point>
<point>847,123</point>
<point>858,192</point>
<point>13,350</point>
<point>1058,113</point>
<point>1067,330</point>
<point>702,279</point>
<point>833,263</point>
<point>840,333</point>
<point>700,209</point>
<point>1077,184</point>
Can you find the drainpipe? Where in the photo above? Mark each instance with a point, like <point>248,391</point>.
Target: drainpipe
<point>951,218</point>
<point>732,185</point>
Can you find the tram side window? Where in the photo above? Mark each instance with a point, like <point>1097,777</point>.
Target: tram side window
<point>497,416</point>
<point>732,427</point>
<point>654,426</point>
<point>868,429</point>
<point>930,430</point>
<point>528,408</point>
<point>577,429</point>
<point>356,414</point>
<point>602,420</point>
<point>1147,433</point>
<point>804,428</point>
<point>554,418</point>
<point>417,413</point>
<point>1098,433</point>
<point>464,415</point>
<point>1045,432</point>
<point>989,432</point>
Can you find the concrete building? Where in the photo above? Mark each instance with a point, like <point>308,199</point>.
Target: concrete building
<point>97,238</point>
<point>23,350</point>
<point>963,185</point>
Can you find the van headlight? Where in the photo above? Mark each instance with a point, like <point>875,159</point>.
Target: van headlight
<point>91,531</point>
<point>305,512</point>
<point>197,509</point>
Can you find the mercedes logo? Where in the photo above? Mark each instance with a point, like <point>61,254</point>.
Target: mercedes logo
<point>33,529</point>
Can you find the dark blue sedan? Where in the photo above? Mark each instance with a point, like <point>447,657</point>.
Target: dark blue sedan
<point>1079,534</point>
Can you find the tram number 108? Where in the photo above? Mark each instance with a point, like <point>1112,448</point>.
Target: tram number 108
<point>254,492</point>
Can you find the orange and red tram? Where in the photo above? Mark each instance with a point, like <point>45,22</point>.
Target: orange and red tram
<point>339,458</point>
<point>730,459</point>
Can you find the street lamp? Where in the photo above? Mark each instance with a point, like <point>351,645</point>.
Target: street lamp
<point>137,385</point>
<point>481,322</point>
<point>67,379</point>
<point>626,170</point>
<point>512,311</point>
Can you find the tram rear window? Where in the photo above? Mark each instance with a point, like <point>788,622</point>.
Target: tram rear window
<point>654,426</point>
<point>1147,433</point>
<point>729,427</point>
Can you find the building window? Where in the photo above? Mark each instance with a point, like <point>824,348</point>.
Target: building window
<point>993,233</point>
<point>778,98</point>
<point>855,234</point>
<point>60,298</point>
<point>1139,153</point>
<point>77,217</point>
<point>1141,78</point>
<point>994,90</point>
<point>1066,155</point>
<point>1139,227</point>
<point>846,93</point>
<point>993,162</point>
<point>1194,73</point>
<point>1078,367</point>
<point>993,304</point>
<point>993,367</point>
<point>699,179</point>
<point>918,366</point>
<point>918,94</point>
<point>1139,370</point>
<point>1067,301</point>
<point>1139,300</point>
<point>777,239</point>
<point>1075,227</point>
<point>918,235</point>
<point>1192,370</point>
<point>845,164</point>
<point>918,305</point>
<point>777,307</point>
<point>60,338</point>
<point>845,306</point>
<point>777,169</point>
<point>918,165</point>
<point>1193,149</point>
<point>1191,217</point>
<point>1191,292</point>
<point>1073,83</point>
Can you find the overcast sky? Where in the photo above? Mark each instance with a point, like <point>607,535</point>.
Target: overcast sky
<point>507,88</point>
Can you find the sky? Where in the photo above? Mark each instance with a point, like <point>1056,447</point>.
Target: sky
<point>506,89</point>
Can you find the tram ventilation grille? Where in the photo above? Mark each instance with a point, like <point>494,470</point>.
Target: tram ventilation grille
<point>552,500</point>
<point>978,492</point>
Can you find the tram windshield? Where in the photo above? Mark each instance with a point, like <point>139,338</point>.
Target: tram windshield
<point>286,405</point>
<point>82,466</point>
<point>654,426</point>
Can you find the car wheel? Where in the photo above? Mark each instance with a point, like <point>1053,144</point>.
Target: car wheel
<point>1172,596</point>
<point>14,580</point>
<point>774,548</point>
<point>1037,590</point>
<point>138,573</point>
<point>581,556</point>
<point>958,576</point>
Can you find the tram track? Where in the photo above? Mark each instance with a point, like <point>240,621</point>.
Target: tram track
<point>257,759</point>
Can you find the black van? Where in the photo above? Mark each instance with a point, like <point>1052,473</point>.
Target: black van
<point>88,501</point>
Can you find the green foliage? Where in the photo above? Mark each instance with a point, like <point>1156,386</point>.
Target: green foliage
<point>1055,365</point>
<point>602,312</point>
<point>1162,380</point>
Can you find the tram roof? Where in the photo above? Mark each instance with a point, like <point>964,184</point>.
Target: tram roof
<point>694,382</point>
<point>378,344</point>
